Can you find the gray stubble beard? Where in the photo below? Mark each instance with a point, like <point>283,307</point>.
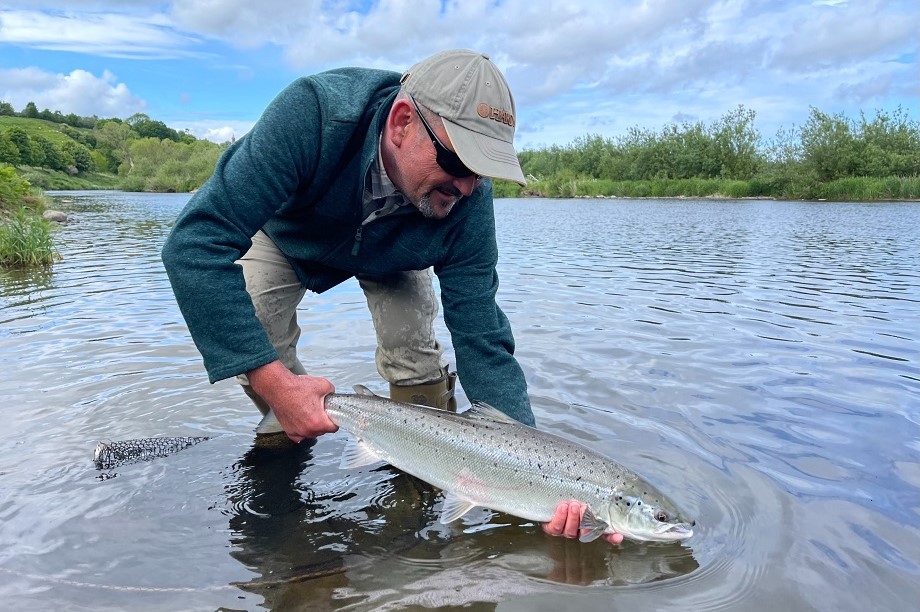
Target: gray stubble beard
<point>424,206</point>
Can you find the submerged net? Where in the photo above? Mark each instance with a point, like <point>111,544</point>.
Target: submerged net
<point>113,454</point>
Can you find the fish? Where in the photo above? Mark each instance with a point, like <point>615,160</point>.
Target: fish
<point>484,458</point>
<point>108,455</point>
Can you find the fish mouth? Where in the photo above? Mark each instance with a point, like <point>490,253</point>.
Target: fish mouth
<point>680,531</point>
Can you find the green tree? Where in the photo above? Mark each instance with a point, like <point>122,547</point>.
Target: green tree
<point>828,146</point>
<point>22,141</point>
<point>737,142</point>
<point>9,152</point>
<point>6,109</point>
<point>54,158</point>
<point>30,111</point>
<point>82,160</point>
<point>39,158</point>
<point>113,139</point>
<point>888,144</point>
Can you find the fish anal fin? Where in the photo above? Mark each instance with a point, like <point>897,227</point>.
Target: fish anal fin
<point>592,527</point>
<point>358,454</point>
<point>454,507</point>
<point>486,412</point>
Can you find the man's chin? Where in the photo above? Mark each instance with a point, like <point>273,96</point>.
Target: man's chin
<point>430,210</point>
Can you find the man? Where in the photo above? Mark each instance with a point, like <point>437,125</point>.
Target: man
<point>358,172</point>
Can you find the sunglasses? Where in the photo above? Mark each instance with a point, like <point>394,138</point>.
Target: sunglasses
<point>446,158</point>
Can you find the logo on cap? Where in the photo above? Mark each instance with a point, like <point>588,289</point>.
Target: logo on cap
<point>494,113</point>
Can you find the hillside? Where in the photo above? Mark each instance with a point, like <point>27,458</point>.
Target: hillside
<point>48,129</point>
<point>135,154</point>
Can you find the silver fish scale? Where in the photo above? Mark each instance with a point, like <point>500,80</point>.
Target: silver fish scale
<point>501,465</point>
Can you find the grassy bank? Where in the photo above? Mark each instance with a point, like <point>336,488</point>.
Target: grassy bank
<point>48,180</point>
<point>844,189</point>
<point>25,237</point>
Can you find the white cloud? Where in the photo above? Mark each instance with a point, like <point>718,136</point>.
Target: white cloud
<point>79,92</point>
<point>213,129</point>
<point>148,36</point>
<point>575,67</point>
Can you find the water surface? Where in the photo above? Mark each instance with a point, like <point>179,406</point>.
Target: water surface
<point>756,360</point>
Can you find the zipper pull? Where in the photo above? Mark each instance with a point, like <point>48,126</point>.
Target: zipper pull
<point>357,245</point>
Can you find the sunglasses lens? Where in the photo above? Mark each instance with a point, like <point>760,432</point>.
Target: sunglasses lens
<point>451,164</point>
<point>446,158</point>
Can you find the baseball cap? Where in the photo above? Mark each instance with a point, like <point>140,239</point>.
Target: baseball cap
<point>474,102</point>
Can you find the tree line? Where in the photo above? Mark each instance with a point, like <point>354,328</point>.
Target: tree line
<point>145,154</point>
<point>830,155</point>
<point>693,158</point>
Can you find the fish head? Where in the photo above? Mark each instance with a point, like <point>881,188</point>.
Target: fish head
<point>643,513</point>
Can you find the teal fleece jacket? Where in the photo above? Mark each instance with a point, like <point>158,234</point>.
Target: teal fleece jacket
<point>299,176</point>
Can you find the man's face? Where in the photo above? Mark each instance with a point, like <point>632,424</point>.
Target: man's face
<point>428,186</point>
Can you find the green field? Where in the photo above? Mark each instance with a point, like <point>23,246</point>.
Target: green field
<point>32,127</point>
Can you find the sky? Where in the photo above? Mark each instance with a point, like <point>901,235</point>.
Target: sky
<point>576,68</point>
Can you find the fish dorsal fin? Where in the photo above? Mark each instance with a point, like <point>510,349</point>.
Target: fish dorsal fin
<point>454,507</point>
<point>595,527</point>
<point>484,412</point>
<point>362,390</point>
<point>358,454</point>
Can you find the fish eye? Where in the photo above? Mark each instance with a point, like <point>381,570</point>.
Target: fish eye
<point>661,516</point>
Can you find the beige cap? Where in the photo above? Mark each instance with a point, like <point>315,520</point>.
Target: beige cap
<point>473,99</point>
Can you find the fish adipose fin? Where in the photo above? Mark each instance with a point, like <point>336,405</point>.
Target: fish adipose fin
<point>454,508</point>
<point>358,454</point>
<point>596,527</point>
<point>484,412</point>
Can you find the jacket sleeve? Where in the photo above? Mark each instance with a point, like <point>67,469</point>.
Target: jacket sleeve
<point>480,332</point>
<point>255,177</point>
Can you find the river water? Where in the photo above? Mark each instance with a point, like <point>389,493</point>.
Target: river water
<point>756,360</point>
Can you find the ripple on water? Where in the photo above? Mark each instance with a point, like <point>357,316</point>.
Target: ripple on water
<point>755,360</point>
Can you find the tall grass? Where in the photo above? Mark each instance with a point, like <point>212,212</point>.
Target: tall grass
<point>25,241</point>
<point>860,188</point>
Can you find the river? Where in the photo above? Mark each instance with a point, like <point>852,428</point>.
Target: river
<point>757,360</point>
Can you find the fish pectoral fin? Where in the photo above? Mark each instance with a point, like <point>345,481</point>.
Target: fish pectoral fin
<point>358,454</point>
<point>593,527</point>
<point>454,507</point>
<point>269,425</point>
<point>362,390</point>
<point>485,412</point>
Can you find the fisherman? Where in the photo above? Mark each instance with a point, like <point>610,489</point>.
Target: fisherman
<point>368,174</point>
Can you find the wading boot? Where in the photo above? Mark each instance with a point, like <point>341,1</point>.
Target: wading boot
<point>437,394</point>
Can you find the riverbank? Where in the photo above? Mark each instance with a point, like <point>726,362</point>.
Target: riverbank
<point>851,189</point>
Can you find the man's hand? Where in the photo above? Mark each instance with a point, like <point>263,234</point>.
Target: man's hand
<point>567,518</point>
<point>297,401</point>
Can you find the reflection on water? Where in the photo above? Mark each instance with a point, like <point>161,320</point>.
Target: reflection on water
<point>755,360</point>
<point>283,503</point>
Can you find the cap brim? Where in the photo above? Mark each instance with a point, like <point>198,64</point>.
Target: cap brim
<point>484,155</point>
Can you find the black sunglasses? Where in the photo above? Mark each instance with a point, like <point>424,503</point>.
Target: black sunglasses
<point>446,158</point>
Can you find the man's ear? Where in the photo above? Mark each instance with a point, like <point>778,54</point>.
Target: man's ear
<point>399,121</point>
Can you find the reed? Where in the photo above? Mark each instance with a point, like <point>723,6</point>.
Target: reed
<point>25,240</point>
<point>865,189</point>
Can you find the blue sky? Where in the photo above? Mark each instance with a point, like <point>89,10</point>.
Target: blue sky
<point>576,68</point>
